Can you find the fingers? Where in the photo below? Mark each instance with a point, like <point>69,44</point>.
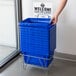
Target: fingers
<point>54,20</point>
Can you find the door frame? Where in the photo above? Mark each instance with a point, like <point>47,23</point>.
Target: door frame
<point>18,18</point>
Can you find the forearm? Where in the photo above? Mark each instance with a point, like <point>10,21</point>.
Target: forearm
<point>60,7</point>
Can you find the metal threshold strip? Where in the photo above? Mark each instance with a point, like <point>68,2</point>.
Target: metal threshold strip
<point>5,57</point>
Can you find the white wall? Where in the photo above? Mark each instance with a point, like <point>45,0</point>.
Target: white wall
<point>26,8</point>
<point>66,27</point>
<point>7,23</point>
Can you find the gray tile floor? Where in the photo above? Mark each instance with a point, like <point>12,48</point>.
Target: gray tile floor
<point>58,68</point>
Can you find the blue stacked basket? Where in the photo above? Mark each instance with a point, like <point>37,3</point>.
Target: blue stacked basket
<point>37,40</point>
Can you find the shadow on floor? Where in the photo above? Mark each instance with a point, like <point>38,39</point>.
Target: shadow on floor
<point>9,63</point>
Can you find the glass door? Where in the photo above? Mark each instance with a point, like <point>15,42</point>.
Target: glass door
<point>9,34</point>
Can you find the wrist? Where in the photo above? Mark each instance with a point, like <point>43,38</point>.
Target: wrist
<point>56,15</point>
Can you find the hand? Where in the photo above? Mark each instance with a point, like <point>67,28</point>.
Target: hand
<point>54,19</point>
